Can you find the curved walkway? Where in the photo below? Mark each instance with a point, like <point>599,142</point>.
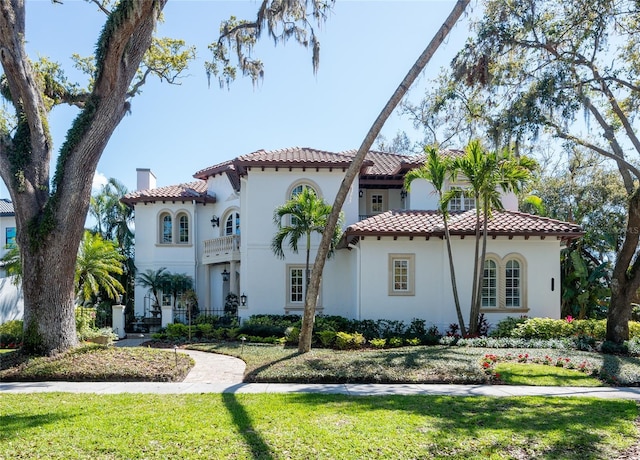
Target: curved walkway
<point>215,373</point>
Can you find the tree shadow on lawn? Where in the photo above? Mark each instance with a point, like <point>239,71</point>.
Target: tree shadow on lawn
<point>12,424</point>
<point>259,447</point>
<point>567,428</point>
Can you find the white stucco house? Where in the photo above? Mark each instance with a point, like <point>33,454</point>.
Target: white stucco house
<point>392,263</point>
<point>11,301</point>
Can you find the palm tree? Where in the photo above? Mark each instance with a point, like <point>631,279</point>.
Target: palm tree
<point>435,170</point>
<point>307,214</point>
<point>154,280</point>
<point>488,173</point>
<point>306,331</point>
<point>177,284</point>
<point>98,260</point>
<point>12,263</point>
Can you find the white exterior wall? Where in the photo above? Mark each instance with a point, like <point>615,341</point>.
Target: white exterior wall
<point>264,276</point>
<point>433,299</point>
<point>150,254</point>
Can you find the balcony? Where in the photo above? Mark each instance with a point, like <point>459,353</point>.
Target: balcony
<point>224,249</point>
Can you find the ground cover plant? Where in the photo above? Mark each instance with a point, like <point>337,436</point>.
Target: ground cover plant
<point>269,426</point>
<point>424,364</point>
<point>98,363</point>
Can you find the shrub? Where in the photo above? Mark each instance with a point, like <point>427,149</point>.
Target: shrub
<point>590,327</point>
<point>506,327</point>
<point>327,338</point>
<point>177,331</point>
<point>543,328</point>
<point>11,333</point>
<point>346,341</point>
<point>414,341</point>
<point>395,342</point>
<point>378,343</point>
<point>292,335</point>
<point>333,323</point>
<point>417,328</point>
<point>262,330</point>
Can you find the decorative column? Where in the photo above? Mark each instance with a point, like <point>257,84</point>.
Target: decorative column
<point>167,315</point>
<point>117,323</point>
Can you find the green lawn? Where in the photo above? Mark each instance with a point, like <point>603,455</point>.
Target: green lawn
<point>541,375</point>
<point>304,426</point>
<point>434,364</point>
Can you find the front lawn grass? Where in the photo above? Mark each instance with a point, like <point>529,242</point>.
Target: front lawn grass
<point>91,363</point>
<point>541,375</point>
<point>433,364</point>
<point>303,426</point>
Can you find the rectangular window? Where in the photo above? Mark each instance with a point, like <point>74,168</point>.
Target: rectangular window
<point>377,205</point>
<point>512,284</point>
<point>296,285</point>
<point>10,237</point>
<point>461,202</point>
<point>401,274</point>
<point>183,229</point>
<point>490,285</point>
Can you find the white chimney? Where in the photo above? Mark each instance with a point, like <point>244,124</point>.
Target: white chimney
<point>146,179</point>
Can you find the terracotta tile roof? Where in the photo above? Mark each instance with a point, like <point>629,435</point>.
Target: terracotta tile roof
<point>388,164</point>
<point>429,223</point>
<point>192,191</point>
<point>6,208</point>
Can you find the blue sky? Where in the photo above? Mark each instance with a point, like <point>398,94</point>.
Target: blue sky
<point>366,49</point>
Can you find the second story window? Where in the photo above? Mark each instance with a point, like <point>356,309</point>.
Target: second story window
<point>232,224</point>
<point>10,237</point>
<point>183,229</point>
<point>166,236</point>
<point>377,203</point>
<point>460,202</point>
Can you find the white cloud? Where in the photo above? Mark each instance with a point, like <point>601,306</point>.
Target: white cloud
<point>99,181</point>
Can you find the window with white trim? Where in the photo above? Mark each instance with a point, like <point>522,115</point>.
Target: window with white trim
<point>490,284</point>
<point>296,285</point>
<point>10,237</point>
<point>377,203</point>
<point>232,224</point>
<point>512,298</point>
<point>401,274</point>
<point>183,228</point>
<point>461,202</point>
<point>503,283</point>
<point>166,228</point>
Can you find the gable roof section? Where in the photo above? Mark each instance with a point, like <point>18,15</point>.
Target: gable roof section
<point>430,224</point>
<point>192,191</point>
<point>6,208</point>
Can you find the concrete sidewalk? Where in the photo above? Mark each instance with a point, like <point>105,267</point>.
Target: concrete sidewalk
<point>346,389</point>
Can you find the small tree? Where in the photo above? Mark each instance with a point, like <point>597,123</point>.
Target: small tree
<point>153,280</point>
<point>97,263</point>
<point>435,169</point>
<point>306,214</point>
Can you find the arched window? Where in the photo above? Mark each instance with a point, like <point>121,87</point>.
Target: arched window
<point>183,228</point>
<point>512,278</point>
<point>166,228</point>
<point>297,190</point>
<point>490,284</point>
<point>232,224</point>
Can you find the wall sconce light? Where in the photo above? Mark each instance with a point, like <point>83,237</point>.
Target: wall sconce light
<point>243,299</point>
<point>403,194</point>
<point>225,275</point>
<point>215,221</point>
<point>361,193</point>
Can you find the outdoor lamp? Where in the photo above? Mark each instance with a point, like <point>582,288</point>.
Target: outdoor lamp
<point>243,299</point>
<point>215,221</point>
<point>225,275</point>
